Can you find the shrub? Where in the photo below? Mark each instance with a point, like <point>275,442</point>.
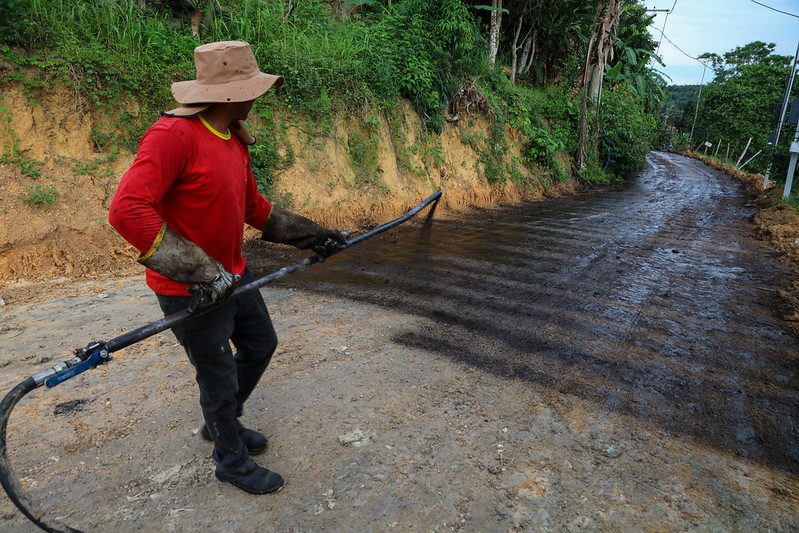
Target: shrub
<point>39,195</point>
<point>594,175</point>
<point>17,22</point>
<point>435,42</point>
<point>265,157</point>
<point>627,134</point>
<point>543,146</point>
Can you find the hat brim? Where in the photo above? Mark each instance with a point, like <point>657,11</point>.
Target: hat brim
<point>187,111</point>
<point>193,92</point>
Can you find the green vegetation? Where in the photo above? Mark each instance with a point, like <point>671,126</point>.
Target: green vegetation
<point>265,156</point>
<point>30,168</point>
<point>363,146</point>
<point>39,195</point>
<point>738,104</point>
<point>358,58</point>
<point>792,201</point>
<point>629,133</point>
<point>679,102</point>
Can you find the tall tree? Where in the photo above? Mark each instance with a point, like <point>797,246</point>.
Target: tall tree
<point>522,12</point>
<point>631,67</point>
<point>592,74</point>
<point>600,47</point>
<point>496,24</point>
<point>561,31</point>
<point>741,100</point>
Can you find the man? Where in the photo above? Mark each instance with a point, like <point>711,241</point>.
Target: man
<point>183,204</point>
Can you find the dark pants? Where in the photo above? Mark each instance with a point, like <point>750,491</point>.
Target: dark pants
<point>226,380</point>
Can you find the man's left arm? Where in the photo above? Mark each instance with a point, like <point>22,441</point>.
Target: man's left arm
<point>284,227</point>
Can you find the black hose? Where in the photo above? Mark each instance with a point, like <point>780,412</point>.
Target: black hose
<point>148,330</point>
<point>7,476</point>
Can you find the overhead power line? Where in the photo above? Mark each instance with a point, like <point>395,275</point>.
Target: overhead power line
<point>686,54</point>
<point>775,9</point>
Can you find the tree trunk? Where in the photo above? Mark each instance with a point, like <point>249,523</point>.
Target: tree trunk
<point>582,154</point>
<point>593,71</point>
<point>604,46</point>
<point>348,9</point>
<point>514,49</point>
<point>142,4</point>
<point>341,9</point>
<point>528,44</point>
<point>528,54</point>
<point>496,22</point>
<point>585,71</point>
<point>196,21</point>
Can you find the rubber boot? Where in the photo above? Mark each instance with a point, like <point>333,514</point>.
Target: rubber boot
<point>242,472</point>
<point>255,442</point>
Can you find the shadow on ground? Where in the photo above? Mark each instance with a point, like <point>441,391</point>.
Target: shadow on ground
<point>653,302</point>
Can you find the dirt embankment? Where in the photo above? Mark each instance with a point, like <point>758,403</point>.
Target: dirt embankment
<point>777,223</point>
<point>54,142</point>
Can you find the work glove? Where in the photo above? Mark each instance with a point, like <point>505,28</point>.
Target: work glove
<point>181,260</point>
<point>286,227</point>
<point>214,291</point>
<point>328,243</point>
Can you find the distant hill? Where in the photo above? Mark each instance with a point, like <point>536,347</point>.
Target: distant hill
<point>679,105</point>
<point>678,95</point>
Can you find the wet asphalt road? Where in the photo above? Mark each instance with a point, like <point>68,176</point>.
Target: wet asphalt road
<point>607,363</point>
<point>655,302</point>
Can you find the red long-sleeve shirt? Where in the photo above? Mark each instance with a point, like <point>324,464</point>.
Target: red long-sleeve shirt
<point>196,181</point>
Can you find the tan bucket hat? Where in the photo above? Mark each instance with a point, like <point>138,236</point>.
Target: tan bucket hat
<point>226,72</point>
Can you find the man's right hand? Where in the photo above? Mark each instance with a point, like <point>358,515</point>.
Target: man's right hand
<point>329,242</point>
<point>216,290</point>
<point>183,261</point>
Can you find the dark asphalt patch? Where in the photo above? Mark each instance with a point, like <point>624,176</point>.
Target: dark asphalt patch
<point>72,406</point>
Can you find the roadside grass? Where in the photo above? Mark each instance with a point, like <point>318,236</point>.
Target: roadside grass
<point>792,201</point>
<point>424,50</point>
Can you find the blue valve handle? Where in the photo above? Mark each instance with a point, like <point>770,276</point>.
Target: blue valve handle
<point>97,357</point>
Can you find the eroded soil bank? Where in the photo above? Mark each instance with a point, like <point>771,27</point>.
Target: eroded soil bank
<point>610,362</point>
<point>57,149</point>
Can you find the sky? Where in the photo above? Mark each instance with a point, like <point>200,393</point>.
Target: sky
<point>699,26</point>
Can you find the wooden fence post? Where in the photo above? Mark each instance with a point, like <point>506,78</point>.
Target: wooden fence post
<point>737,164</point>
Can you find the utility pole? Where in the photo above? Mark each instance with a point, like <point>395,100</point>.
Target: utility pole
<point>698,98</point>
<point>785,98</point>
<point>792,165</point>
<point>663,29</point>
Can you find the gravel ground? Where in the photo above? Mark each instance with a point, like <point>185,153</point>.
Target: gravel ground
<point>602,363</point>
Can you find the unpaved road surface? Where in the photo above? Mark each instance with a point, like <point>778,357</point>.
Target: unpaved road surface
<point>601,363</point>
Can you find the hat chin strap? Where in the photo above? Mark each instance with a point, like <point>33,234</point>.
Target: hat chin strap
<point>175,115</point>
<point>237,126</point>
<point>241,131</point>
<point>186,111</point>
